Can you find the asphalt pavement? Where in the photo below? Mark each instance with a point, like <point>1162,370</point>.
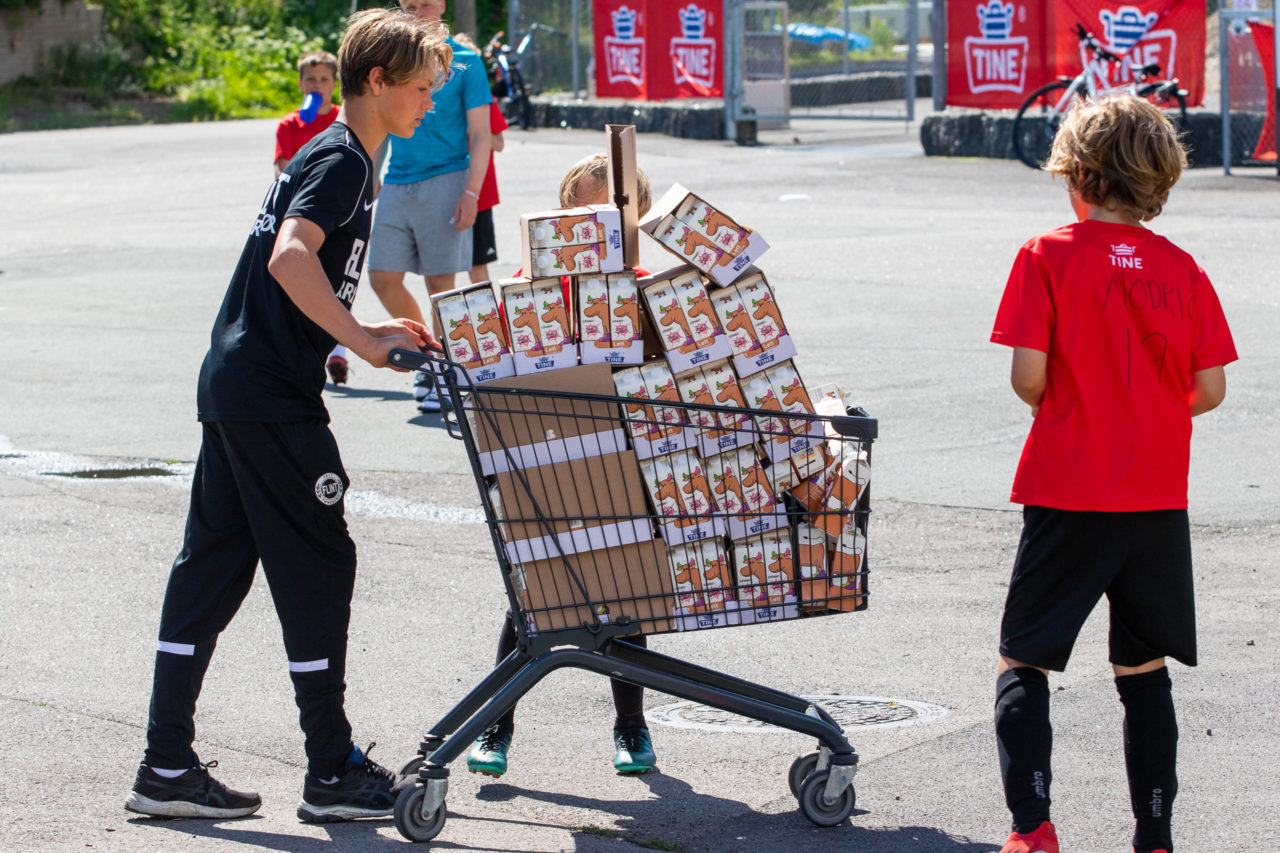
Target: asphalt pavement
<point>115,248</point>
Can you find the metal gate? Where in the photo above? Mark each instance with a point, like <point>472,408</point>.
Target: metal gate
<point>844,62</point>
<point>1244,88</point>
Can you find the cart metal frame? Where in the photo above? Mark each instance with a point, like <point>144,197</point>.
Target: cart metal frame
<point>822,781</point>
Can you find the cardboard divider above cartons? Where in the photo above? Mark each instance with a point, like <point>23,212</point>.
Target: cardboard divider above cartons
<point>472,331</point>
<point>516,429</point>
<point>624,187</point>
<point>700,235</point>
<point>573,241</point>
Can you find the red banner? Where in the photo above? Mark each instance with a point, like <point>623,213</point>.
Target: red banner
<point>1264,40</point>
<point>999,52</point>
<point>658,50</point>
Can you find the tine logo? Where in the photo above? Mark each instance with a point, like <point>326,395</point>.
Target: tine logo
<point>996,61</point>
<point>693,55</point>
<point>1125,257</point>
<point>1129,33</point>
<point>624,50</point>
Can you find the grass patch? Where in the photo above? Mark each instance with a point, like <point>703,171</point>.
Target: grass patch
<point>599,832</point>
<point>659,844</point>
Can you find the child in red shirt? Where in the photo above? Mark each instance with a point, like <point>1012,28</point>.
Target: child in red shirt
<point>1118,341</point>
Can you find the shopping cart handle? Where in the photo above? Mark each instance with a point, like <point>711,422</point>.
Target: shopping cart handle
<point>411,359</point>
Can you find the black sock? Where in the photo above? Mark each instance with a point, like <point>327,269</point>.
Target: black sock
<point>1150,755</point>
<point>1024,738</point>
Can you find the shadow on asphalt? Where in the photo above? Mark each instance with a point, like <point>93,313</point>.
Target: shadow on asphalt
<point>332,390</point>
<point>353,835</point>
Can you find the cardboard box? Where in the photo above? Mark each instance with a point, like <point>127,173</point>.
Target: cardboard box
<point>631,582</point>
<point>572,241</point>
<point>756,299</point>
<point>624,187</point>
<point>515,430</point>
<point>609,327</point>
<point>700,234</point>
<point>569,507</point>
<point>765,567</point>
<point>473,333</point>
<point>666,296</point>
<point>556,347</point>
<point>681,497</point>
<point>743,492</point>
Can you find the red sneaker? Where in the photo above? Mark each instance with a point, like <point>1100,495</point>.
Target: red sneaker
<point>1043,840</point>
<point>337,367</point>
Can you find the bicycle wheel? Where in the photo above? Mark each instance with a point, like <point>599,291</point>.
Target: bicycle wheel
<point>1171,100</point>
<point>1038,120</point>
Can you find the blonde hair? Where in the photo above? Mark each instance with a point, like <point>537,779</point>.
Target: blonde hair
<point>1120,153</point>
<point>399,43</point>
<point>595,168</point>
<point>317,57</point>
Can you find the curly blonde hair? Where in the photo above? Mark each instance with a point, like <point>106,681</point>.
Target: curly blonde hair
<point>1120,153</point>
<point>594,168</point>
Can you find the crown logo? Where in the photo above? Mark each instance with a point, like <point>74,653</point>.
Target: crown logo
<point>1123,250</point>
<point>995,20</point>
<point>693,22</point>
<point>624,22</point>
<point>1125,27</point>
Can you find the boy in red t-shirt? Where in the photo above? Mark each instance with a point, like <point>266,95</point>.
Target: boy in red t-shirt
<point>1118,341</point>
<point>317,72</point>
<point>484,241</point>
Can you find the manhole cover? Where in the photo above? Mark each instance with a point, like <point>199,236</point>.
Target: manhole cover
<point>850,712</point>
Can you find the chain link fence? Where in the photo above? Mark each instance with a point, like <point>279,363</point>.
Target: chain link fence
<point>558,54</point>
<point>1247,137</point>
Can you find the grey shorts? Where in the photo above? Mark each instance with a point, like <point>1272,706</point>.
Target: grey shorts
<point>411,228</point>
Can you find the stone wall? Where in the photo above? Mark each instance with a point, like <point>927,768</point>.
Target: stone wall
<point>27,34</point>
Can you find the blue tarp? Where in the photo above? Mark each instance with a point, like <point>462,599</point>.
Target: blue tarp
<point>815,34</point>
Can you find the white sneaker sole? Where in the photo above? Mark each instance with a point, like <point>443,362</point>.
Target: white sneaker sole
<point>180,808</point>
<point>331,814</point>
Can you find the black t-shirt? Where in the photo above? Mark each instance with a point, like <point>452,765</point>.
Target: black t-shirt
<point>266,359</point>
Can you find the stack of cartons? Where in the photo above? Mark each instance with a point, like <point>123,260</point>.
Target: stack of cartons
<point>702,236</point>
<point>472,332</point>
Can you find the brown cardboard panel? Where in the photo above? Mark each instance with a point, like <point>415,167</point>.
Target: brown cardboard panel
<point>571,495</point>
<point>520,419</point>
<point>624,189</point>
<point>631,581</point>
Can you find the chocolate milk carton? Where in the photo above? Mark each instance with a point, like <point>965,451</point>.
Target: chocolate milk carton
<point>553,317</point>
<point>848,584</point>
<point>686,577</point>
<point>522,316</point>
<point>668,316</point>
<point>459,332</point>
<point>811,566</point>
<point>703,325</point>
<point>624,306</point>
<point>839,504</point>
<point>780,567</point>
<point>642,420</point>
<point>731,311</point>
<point>594,311</point>
<point>491,341</point>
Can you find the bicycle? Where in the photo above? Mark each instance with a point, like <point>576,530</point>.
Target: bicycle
<point>1042,113</point>
<point>509,79</point>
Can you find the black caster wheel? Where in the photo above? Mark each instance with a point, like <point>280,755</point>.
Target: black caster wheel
<point>409,816</point>
<point>412,766</point>
<point>800,768</point>
<point>814,805</point>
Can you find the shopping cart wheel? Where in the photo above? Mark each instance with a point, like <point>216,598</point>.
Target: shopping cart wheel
<point>412,766</point>
<point>409,816</point>
<point>814,804</point>
<point>800,768</point>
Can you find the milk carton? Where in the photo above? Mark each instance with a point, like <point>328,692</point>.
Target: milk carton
<point>694,247</point>
<point>811,566</point>
<point>682,498</point>
<point>458,330</point>
<point>594,311</point>
<point>569,228</point>
<point>717,575</point>
<point>703,325</point>
<point>553,317</point>
<point>722,231</point>
<point>624,301</point>
<point>742,492</point>
<point>766,572</point>
<point>522,315</point>
<point>731,311</point>
<point>780,566</point>
<point>565,260</point>
<point>572,241</point>
<point>668,316</point>
<point>642,420</point>
<point>686,577</point>
<point>735,427</point>
<point>791,394</point>
<point>654,429</point>
<point>758,392</point>
<point>771,333</point>
<point>491,340</point>
<point>848,582</point>
<point>661,385</point>
<point>839,505</point>
<point>684,318</point>
<point>694,389</point>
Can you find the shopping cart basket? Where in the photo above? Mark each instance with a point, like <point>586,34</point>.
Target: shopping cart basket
<point>613,516</point>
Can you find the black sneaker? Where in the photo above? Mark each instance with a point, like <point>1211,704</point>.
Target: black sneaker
<point>193,794</point>
<point>365,789</point>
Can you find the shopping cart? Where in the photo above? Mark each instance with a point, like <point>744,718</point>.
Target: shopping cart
<point>587,561</point>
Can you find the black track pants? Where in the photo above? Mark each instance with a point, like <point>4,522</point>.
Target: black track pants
<point>272,493</point>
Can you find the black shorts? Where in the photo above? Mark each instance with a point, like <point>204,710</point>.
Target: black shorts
<point>484,246</point>
<point>1066,562</point>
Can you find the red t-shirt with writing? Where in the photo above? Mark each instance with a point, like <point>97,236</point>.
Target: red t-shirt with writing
<point>489,190</point>
<point>1126,318</point>
<point>292,133</point>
